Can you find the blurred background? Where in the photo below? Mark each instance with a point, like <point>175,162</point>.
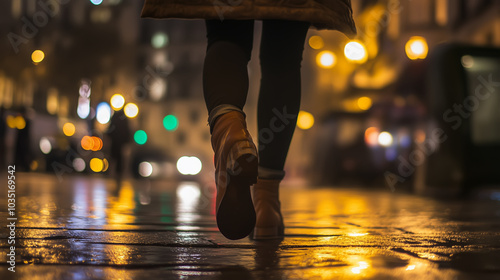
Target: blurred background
<point>88,87</point>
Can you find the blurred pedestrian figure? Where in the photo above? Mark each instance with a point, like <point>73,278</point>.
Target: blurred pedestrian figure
<point>225,84</point>
<point>119,133</point>
<point>23,154</point>
<point>3,134</point>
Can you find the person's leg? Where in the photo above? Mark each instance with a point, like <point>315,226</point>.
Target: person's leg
<point>225,75</point>
<point>279,98</point>
<point>225,85</point>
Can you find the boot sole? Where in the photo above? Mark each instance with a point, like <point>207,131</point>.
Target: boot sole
<point>236,214</point>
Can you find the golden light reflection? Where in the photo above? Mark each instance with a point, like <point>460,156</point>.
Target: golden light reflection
<point>410,267</point>
<point>316,42</point>
<point>416,48</point>
<point>120,210</point>
<point>356,234</point>
<point>362,265</point>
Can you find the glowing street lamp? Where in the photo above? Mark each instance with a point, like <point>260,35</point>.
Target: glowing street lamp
<point>326,59</point>
<point>416,48</point>
<point>37,56</point>
<point>356,51</point>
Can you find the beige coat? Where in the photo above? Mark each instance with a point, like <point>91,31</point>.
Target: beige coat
<point>322,14</point>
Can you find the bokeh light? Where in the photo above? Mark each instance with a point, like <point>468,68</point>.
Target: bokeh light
<point>305,120</point>
<point>69,129</point>
<point>356,51</point>
<point>131,110</point>
<point>189,165</point>
<point>145,169</point>
<point>45,145</point>
<point>96,164</point>
<point>371,136</point>
<point>159,40</point>
<point>83,109</point>
<point>37,56</point>
<point>140,137</point>
<point>96,2</point>
<point>416,48</point>
<point>105,164</point>
<point>364,103</point>
<point>79,164</point>
<point>385,139</point>
<point>87,143</point>
<point>103,113</point>
<point>316,42</point>
<point>326,59</point>
<point>117,101</point>
<point>170,122</point>
<point>96,143</point>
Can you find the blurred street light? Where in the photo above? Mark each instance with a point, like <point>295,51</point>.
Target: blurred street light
<point>364,103</point>
<point>69,129</point>
<point>189,165</point>
<point>305,120</point>
<point>355,51</point>
<point>37,56</point>
<point>170,122</point>
<point>385,139</point>
<point>159,40</point>
<point>117,101</point>
<point>316,42</point>
<point>326,59</point>
<point>131,110</point>
<point>416,48</point>
<point>103,113</point>
<point>140,137</point>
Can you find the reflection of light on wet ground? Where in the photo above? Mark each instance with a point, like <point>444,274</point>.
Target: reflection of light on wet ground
<point>355,234</point>
<point>361,265</point>
<point>120,211</point>
<point>188,198</point>
<point>410,267</point>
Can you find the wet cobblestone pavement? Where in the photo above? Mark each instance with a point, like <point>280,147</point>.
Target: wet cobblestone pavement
<point>86,228</point>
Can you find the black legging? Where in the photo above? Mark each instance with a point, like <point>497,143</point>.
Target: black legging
<point>225,78</point>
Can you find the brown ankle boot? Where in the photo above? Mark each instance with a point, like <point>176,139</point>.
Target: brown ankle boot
<point>235,171</point>
<point>269,223</point>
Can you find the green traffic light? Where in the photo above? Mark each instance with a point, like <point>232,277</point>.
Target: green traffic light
<point>140,137</point>
<point>170,122</point>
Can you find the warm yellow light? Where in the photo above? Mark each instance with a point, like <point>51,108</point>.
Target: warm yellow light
<point>364,103</point>
<point>316,42</point>
<point>20,122</point>
<point>96,164</point>
<point>131,110</point>
<point>69,129</point>
<point>37,56</point>
<point>117,101</point>
<point>87,143</point>
<point>96,143</point>
<point>305,120</point>
<point>410,267</point>
<point>356,51</point>
<point>326,59</point>
<point>11,121</point>
<point>416,48</point>
<point>105,165</point>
